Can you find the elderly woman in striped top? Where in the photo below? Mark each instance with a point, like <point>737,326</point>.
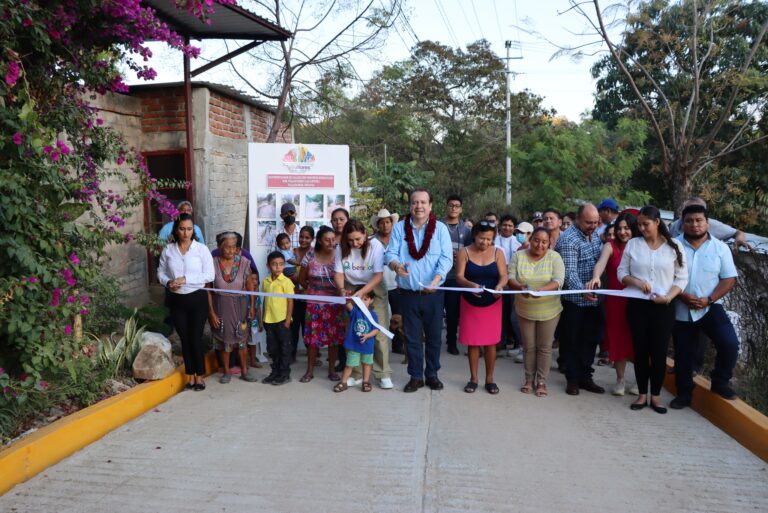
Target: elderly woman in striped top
<point>537,268</point>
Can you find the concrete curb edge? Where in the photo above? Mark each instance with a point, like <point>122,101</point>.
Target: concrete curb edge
<point>33,454</point>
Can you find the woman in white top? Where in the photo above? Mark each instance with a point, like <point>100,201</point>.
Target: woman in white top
<point>359,269</point>
<point>185,267</point>
<point>655,264</point>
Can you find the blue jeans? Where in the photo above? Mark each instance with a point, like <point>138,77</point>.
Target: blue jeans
<point>422,316</point>
<point>716,325</point>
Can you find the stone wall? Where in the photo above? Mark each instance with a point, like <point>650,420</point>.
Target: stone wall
<point>127,262</point>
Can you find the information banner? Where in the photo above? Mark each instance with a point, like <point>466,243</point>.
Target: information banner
<point>314,177</point>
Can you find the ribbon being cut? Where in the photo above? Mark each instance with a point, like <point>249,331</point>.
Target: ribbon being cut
<point>630,293</point>
<point>313,299</point>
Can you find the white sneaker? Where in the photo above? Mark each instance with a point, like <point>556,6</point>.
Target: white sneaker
<point>511,353</point>
<point>633,390</point>
<point>520,358</point>
<point>386,383</point>
<point>618,388</point>
<point>352,382</point>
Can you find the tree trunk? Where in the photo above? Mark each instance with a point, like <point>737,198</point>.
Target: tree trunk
<point>682,188</point>
<point>278,121</point>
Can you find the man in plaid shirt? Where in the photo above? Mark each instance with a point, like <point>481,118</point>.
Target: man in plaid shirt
<point>580,246</point>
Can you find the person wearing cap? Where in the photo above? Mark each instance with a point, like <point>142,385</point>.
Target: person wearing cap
<point>523,233</point>
<point>184,207</point>
<point>608,210</point>
<point>461,236</point>
<point>538,219</point>
<point>290,227</point>
<point>383,222</point>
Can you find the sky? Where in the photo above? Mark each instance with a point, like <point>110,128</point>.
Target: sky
<point>533,27</point>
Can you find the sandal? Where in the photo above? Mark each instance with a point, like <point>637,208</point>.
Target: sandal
<point>340,387</point>
<point>492,388</point>
<point>366,386</point>
<point>527,388</point>
<point>333,376</point>
<point>306,378</point>
<point>470,387</point>
<point>541,390</point>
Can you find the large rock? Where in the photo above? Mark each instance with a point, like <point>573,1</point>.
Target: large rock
<point>150,338</point>
<point>152,362</point>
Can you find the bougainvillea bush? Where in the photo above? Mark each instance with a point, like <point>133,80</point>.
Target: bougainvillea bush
<point>57,215</point>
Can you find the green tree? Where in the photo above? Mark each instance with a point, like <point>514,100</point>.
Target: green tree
<point>696,71</point>
<point>561,165</point>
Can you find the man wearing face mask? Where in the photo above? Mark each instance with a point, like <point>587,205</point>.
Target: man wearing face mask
<point>290,228</point>
<point>523,232</point>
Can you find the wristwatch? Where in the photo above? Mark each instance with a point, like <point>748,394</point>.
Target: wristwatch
<point>709,298</point>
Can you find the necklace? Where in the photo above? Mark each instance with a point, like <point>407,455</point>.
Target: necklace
<point>430,231</point>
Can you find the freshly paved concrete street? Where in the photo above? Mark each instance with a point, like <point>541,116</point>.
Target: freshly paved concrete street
<point>246,447</point>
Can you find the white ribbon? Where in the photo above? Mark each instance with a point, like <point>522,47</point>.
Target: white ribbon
<point>312,299</point>
<point>628,292</point>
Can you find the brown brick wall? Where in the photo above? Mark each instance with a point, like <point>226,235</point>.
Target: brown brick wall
<point>163,110</point>
<point>225,117</point>
<point>260,125</point>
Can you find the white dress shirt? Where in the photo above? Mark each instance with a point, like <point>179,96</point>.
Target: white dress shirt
<point>196,266</point>
<point>658,267</point>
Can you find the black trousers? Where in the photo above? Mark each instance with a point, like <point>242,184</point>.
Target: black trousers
<point>189,312</point>
<point>451,314</point>
<point>297,325</point>
<point>651,328</point>
<point>393,296</point>
<point>580,325</point>
<point>280,347</point>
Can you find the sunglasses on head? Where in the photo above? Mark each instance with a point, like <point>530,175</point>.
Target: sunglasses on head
<point>490,224</point>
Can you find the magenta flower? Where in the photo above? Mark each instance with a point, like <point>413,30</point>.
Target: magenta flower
<point>17,139</point>
<point>63,148</point>
<point>23,376</point>
<point>26,22</point>
<point>68,330</point>
<point>12,74</point>
<point>71,299</point>
<point>33,279</point>
<point>99,121</point>
<point>74,259</point>
<point>56,296</point>
<point>84,311</point>
<point>43,384</point>
<point>85,300</point>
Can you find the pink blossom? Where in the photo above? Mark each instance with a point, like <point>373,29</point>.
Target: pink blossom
<point>85,300</point>
<point>43,384</point>
<point>23,376</point>
<point>56,296</point>
<point>99,121</point>
<point>12,74</point>
<point>74,259</point>
<point>26,22</point>
<point>65,150</point>
<point>33,279</point>
<point>84,311</point>
<point>68,330</point>
<point>17,139</point>
<point>71,299</point>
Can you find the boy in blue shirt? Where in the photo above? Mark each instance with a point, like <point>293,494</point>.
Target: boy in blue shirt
<point>359,343</point>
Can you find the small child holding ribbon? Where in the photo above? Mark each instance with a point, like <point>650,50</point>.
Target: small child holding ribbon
<point>359,343</point>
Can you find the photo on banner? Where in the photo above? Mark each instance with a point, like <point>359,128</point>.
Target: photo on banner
<point>334,201</point>
<point>265,206</point>
<point>266,233</point>
<point>291,198</point>
<point>313,207</point>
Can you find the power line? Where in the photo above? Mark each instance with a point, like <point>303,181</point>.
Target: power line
<point>498,22</point>
<point>447,23</point>
<point>477,18</point>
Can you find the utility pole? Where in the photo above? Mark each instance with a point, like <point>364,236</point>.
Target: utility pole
<point>508,45</point>
<point>385,159</point>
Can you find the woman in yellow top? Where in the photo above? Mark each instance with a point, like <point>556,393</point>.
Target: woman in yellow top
<point>539,269</point>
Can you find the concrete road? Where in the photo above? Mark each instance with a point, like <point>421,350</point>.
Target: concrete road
<point>247,447</point>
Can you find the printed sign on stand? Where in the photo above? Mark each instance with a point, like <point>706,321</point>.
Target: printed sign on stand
<point>313,177</point>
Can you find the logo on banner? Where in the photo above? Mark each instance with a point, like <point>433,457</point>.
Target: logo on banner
<point>299,159</point>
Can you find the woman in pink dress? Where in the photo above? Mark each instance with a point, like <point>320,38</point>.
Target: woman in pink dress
<point>481,265</point>
<point>618,338</point>
<point>324,323</point>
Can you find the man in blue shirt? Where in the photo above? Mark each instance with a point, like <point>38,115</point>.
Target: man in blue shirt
<point>421,254</point>
<point>580,246</point>
<point>184,207</point>
<point>711,275</point>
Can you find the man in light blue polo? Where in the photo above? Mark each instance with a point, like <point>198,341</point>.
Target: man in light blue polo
<point>711,275</point>
<point>421,253</point>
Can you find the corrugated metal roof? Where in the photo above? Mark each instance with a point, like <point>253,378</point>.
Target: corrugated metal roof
<point>226,22</point>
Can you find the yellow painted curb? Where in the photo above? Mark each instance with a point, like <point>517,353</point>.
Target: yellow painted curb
<point>34,453</point>
<point>739,420</point>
